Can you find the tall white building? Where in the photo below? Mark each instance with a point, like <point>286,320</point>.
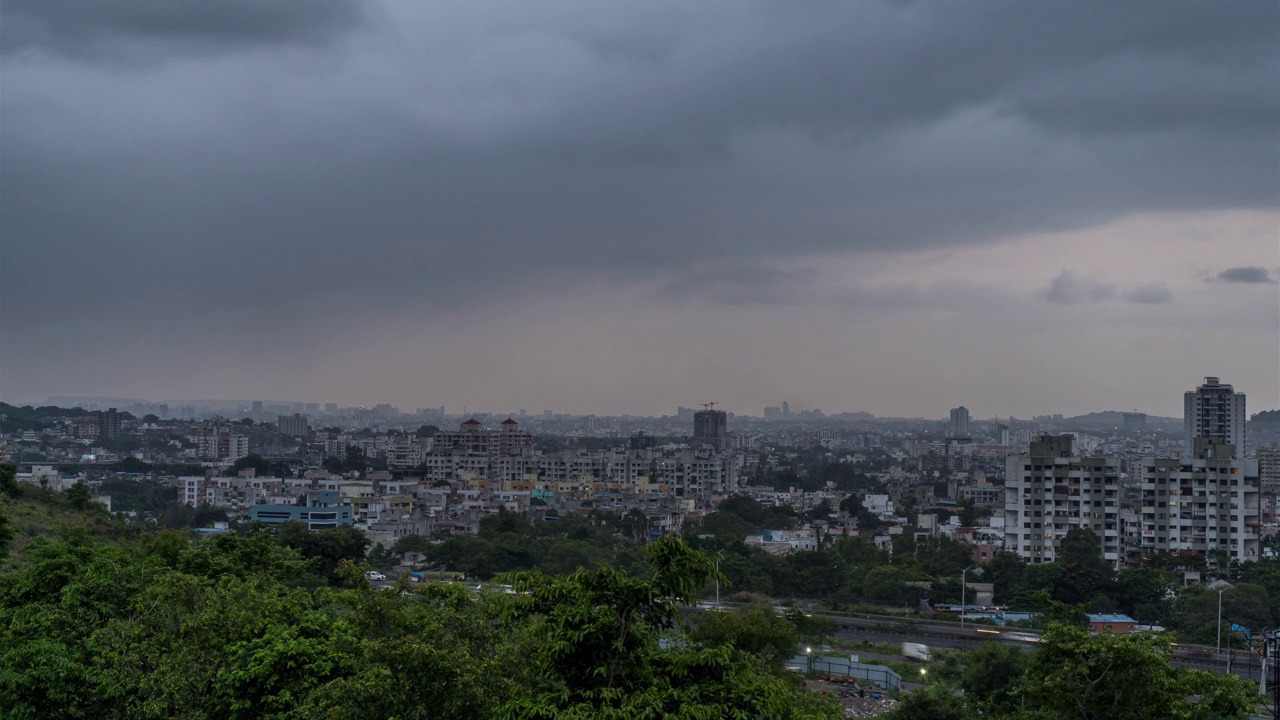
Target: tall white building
<point>1203,503</point>
<point>959,422</point>
<point>1050,490</point>
<point>237,447</point>
<point>1213,410</point>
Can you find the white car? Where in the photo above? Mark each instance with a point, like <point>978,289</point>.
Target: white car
<point>375,575</point>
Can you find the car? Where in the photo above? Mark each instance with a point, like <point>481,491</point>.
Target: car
<point>375,575</point>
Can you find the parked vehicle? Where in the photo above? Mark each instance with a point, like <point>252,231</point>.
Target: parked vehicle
<point>375,575</point>
<point>916,651</point>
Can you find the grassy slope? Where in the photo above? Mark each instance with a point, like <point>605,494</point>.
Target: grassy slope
<point>42,512</point>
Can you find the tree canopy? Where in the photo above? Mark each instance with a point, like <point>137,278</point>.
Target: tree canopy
<point>245,626</point>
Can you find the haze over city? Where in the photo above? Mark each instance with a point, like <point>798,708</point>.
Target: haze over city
<point>621,208</point>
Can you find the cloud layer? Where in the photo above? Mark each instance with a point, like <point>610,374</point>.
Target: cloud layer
<point>241,175</point>
<point>1250,274</point>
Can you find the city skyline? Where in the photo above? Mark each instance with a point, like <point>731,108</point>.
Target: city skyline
<point>886,207</point>
<point>280,406</point>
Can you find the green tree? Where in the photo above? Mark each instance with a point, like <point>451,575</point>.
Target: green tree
<point>138,495</point>
<point>1085,573</point>
<point>596,652</point>
<point>821,511</point>
<point>410,543</point>
<point>354,461</point>
<point>7,534</point>
<point>326,548</point>
<point>1195,612</point>
<point>726,526</point>
<point>884,584</point>
<point>9,485</point>
<point>78,497</point>
<point>992,675</point>
<point>1037,578</point>
<point>131,464</point>
<point>1266,573</point>
<point>755,629</point>
<point>380,558</point>
<point>426,431</point>
<point>851,505</point>
<point>1124,677</point>
<point>260,465</point>
<point>1005,568</point>
<point>1144,590</point>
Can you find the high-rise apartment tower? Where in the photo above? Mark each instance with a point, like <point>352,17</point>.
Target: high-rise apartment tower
<point>711,427</point>
<point>1213,410</point>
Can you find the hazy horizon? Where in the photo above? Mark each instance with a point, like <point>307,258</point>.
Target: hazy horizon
<point>896,208</point>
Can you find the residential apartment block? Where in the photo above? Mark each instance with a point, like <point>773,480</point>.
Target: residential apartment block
<point>711,427</point>
<point>1269,468</point>
<point>217,441</point>
<point>472,437</point>
<point>1214,410</point>
<point>1050,490</point>
<point>1205,503</point>
<point>294,425</point>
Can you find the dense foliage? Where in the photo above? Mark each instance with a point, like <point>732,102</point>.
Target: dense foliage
<point>267,625</point>
<point>1078,676</point>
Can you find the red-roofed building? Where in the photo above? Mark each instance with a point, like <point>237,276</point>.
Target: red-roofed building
<point>472,437</point>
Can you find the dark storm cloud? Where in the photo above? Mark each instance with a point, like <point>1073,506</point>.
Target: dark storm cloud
<point>447,152</point>
<point>92,29</point>
<point>1244,275</point>
<point>1070,289</point>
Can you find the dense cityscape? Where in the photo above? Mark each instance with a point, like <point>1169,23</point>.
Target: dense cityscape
<point>1140,522</point>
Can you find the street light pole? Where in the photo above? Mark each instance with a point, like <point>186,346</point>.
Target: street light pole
<point>1220,621</point>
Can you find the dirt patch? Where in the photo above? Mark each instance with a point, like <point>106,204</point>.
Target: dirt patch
<point>859,700</point>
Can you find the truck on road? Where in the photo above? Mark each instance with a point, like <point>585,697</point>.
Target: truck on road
<point>916,651</point>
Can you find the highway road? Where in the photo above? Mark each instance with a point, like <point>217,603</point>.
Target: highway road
<point>1244,665</point>
<point>949,634</point>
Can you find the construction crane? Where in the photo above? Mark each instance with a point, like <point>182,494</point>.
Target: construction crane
<point>709,406</point>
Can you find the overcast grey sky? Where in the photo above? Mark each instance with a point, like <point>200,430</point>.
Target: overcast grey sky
<point>595,206</point>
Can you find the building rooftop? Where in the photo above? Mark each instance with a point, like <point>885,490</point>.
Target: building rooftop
<point>1110,618</point>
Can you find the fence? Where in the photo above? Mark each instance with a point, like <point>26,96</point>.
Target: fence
<point>828,665</point>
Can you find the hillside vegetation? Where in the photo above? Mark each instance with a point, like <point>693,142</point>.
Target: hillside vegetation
<point>100,621</point>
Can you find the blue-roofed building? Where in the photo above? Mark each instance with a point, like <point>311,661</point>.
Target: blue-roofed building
<point>322,509</point>
<point>1111,622</point>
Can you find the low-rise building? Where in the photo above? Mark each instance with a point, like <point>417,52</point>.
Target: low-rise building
<point>321,510</point>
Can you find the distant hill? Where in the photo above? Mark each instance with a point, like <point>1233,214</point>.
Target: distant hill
<point>1114,418</point>
<point>16,419</point>
<point>1269,418</point>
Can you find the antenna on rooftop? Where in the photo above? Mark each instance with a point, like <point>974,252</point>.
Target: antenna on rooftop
<point>709,406</point>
